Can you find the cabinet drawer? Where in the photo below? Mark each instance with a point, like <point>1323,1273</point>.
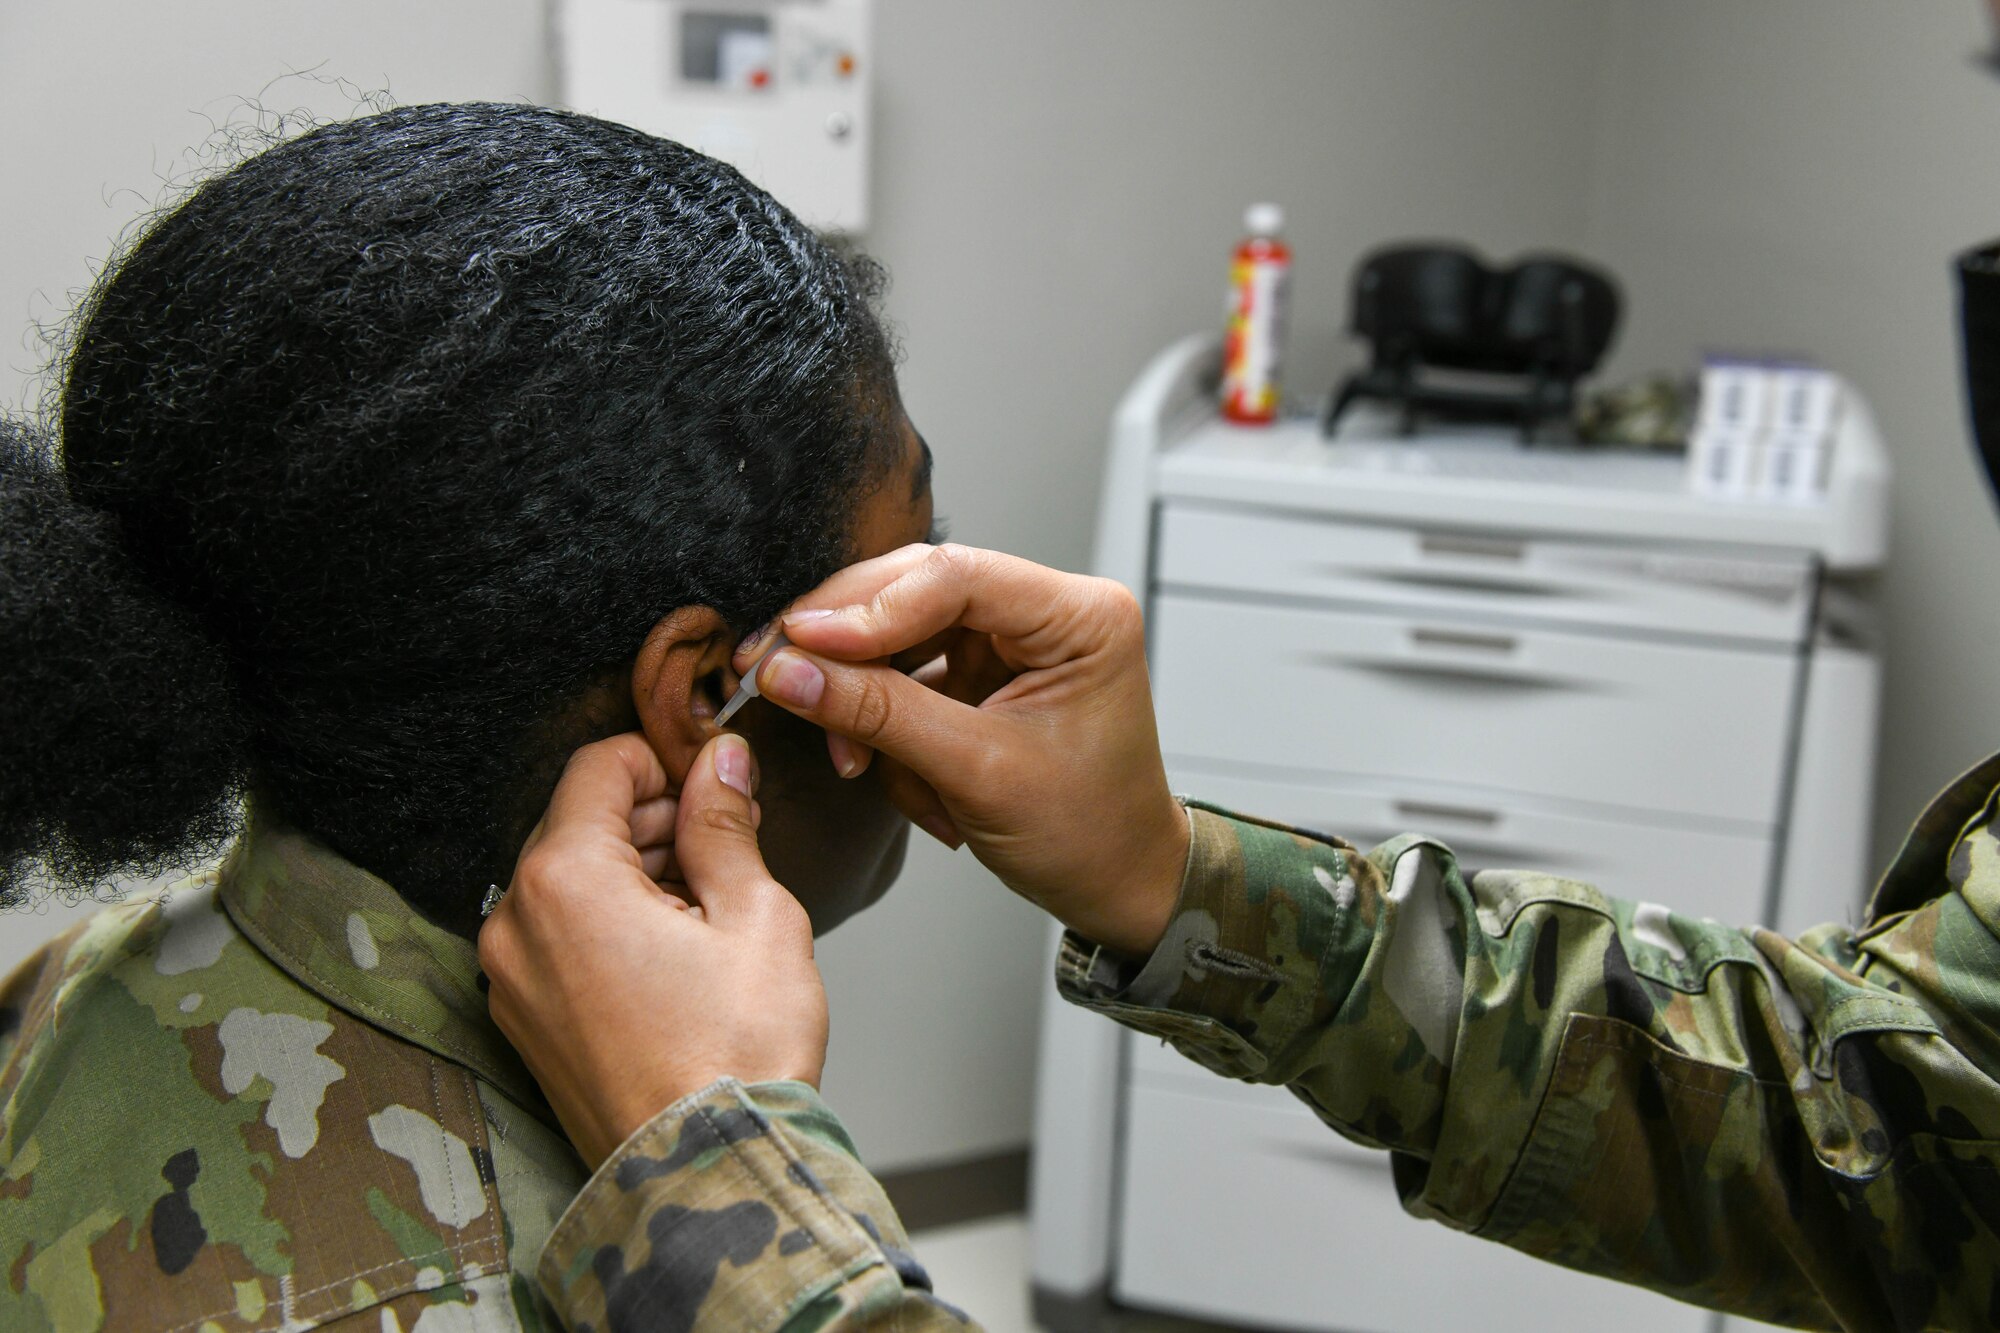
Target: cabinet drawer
<point>1755,596</point>
<point>1259,1214</point>
<point>1647,726</point>
<point>1696,871</point>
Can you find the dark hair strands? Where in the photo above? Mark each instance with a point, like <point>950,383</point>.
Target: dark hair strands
<point>378,449</point>
<point>97,665</point>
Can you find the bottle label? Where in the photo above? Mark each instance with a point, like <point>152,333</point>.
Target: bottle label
<point>1253,344</point>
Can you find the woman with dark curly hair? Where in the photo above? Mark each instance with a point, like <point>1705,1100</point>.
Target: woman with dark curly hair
<point>395,463</point>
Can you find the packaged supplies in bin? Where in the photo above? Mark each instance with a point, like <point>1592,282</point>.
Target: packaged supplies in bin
<point>1764,431</point>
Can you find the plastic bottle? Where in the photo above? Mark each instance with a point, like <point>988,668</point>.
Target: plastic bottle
<point>1253,350</point>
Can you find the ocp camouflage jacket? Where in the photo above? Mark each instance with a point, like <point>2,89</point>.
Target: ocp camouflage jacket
<point>273,1099</point>
<point>244,1109</point>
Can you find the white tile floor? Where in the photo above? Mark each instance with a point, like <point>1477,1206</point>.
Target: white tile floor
<point>982,1268</point>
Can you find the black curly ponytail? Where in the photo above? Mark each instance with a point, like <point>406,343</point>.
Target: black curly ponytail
<point>121,746</point>
<point>383,445</point>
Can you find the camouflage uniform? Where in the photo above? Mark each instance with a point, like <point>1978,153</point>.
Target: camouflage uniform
<point>1797,1130</point>
<point>1805,1131</point>
<point>273,1099</point>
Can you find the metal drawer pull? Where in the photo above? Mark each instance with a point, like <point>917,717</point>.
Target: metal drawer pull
<point>1464,814</point>
<point>1454,581</point>
<point>1416,669</point>
<point>1480,548</point>
<point>1454,638</point>
<point>1472,853</point>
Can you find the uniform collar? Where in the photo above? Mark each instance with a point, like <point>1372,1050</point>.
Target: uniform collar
<point>349,938</point>
<point>1919,872</point>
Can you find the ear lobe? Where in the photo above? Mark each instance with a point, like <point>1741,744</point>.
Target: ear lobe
<point>680,680</point>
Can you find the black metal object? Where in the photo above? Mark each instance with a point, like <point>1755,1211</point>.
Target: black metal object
<point>1528,333</point>
<point>1979,330</point>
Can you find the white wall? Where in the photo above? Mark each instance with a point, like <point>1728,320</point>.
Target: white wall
<point>103,99</point>
<point>1797,174</point>
<point>1058,185</point>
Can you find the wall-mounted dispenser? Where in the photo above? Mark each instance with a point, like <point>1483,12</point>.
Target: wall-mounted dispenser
<point>777,88</point>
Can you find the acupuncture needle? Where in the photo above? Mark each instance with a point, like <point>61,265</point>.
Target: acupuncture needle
<point>748,690</point>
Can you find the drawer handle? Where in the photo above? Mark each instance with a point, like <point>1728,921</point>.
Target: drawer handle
<point>1472,852</point>
<point>1416,668</point>
<point>1464,814</point>
<point>1469,581</point>
<point>1479,548</point>
<point>1455,638</point>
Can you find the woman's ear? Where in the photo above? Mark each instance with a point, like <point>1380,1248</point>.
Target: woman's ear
<point>680,681</point>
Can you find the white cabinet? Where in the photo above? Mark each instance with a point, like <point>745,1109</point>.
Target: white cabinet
<point>1551,661</point>
<point>1596,726</point>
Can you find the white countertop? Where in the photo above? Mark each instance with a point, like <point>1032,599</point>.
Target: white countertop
<point>1484,478</point>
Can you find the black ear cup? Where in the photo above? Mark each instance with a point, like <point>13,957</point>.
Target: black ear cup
<point>1422,297</point>
<point>1555,312</point>
<point>1544,323</point>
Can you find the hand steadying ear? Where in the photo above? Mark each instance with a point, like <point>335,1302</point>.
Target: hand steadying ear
<point>623,999</point>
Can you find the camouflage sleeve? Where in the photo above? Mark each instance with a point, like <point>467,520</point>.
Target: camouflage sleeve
<point>738,1208</point>
<point>1797,1130</point>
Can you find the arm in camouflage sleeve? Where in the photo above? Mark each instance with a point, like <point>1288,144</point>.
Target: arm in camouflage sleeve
<point>743,1209</point>
<point>1803,1131</point>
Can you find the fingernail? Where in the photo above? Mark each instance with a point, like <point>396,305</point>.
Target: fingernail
<point>805,617</point>
<point>790,679</point>
<point>941,829</point>
<point>732,762</point>
<point>753,638</point>
<point>841,750</point>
